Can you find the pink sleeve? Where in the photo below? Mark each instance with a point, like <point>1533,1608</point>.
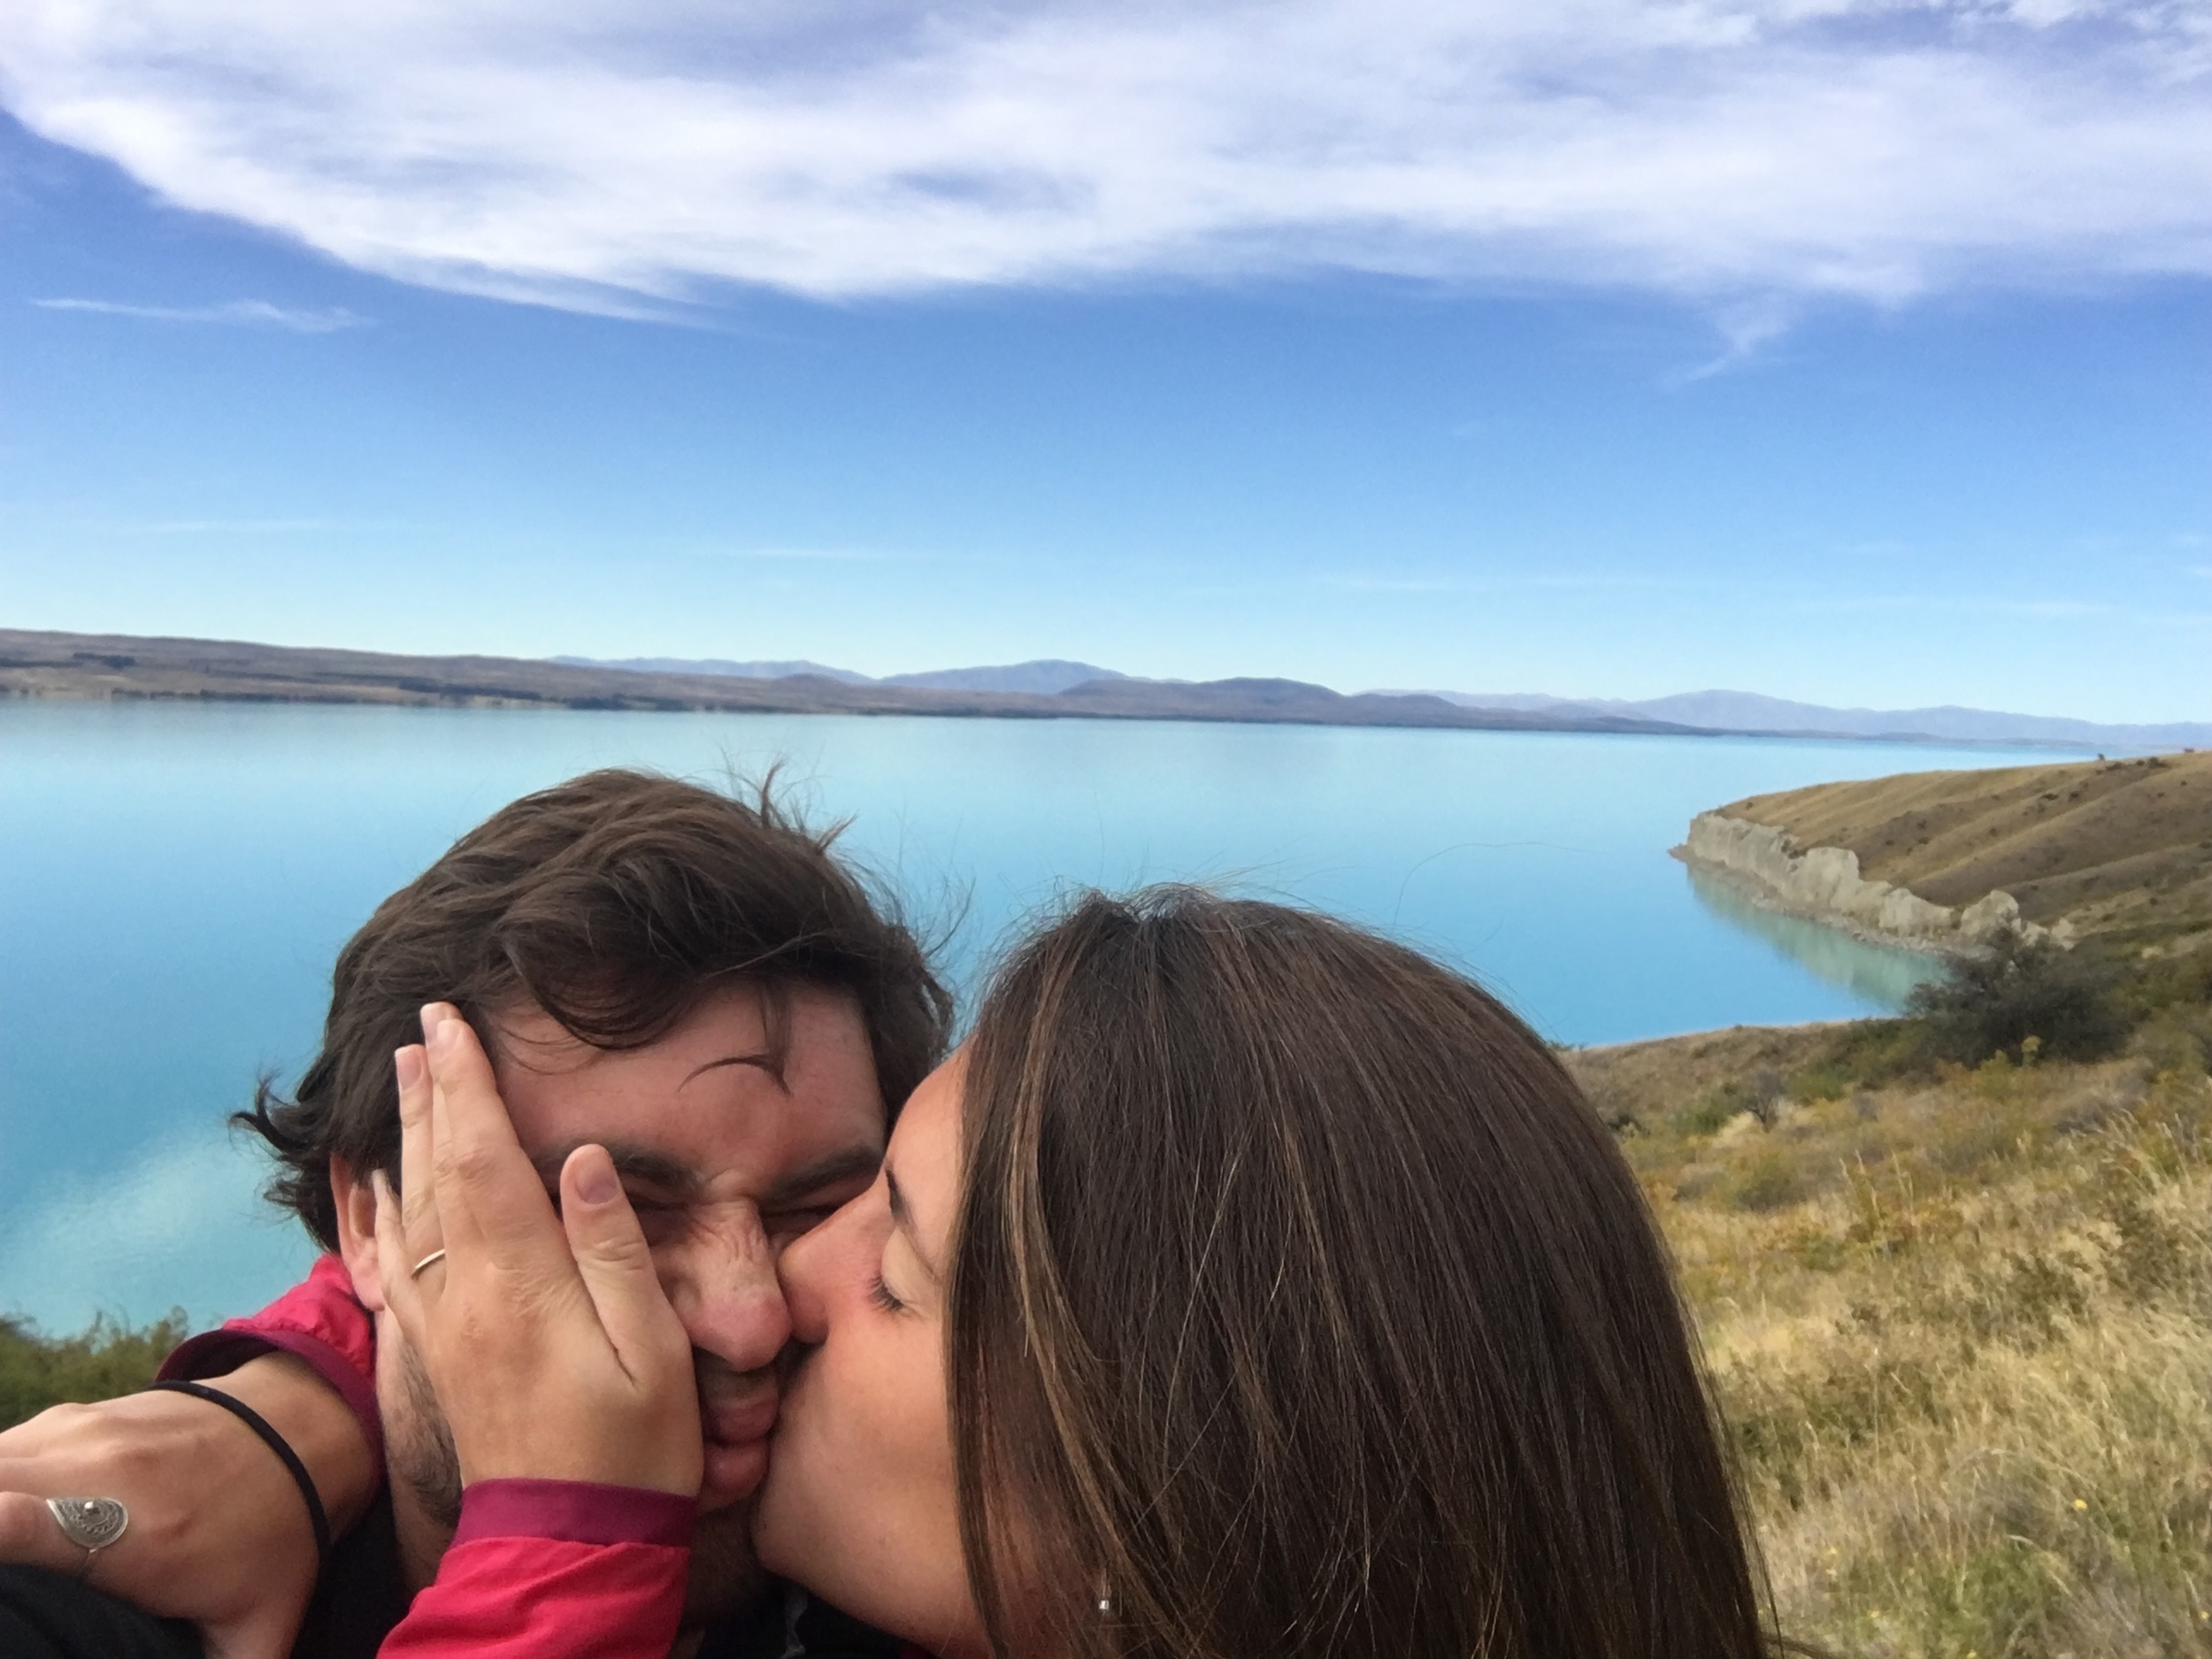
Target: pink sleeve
<point>319,1321</point>
<point>544,1569</point>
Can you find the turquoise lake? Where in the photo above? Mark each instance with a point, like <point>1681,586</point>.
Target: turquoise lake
<point>175,880</point>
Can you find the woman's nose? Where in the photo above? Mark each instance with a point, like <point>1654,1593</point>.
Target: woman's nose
<point>801,1269</point>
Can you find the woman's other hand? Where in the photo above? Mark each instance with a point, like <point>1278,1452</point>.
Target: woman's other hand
<point>552,1348</point>
<point>218,1533</point>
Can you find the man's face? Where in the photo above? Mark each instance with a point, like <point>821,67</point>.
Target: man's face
<point>726,1165</point>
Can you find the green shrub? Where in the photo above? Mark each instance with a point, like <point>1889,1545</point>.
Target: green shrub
<point>1993,1004</point>
<point>2170,978</point>
<point>1706,1114</point>
<point>2176,1039</point>
<point>1761,1180</point>
<point>1865,1054</point>
<point>106,1360</point>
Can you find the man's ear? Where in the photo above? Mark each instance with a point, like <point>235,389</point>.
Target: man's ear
<point>355,1202</point>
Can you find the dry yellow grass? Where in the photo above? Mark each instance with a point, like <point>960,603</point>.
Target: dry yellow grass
<point>1960,1328</point>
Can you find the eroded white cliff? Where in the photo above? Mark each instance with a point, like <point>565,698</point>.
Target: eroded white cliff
<point>1824,882</point>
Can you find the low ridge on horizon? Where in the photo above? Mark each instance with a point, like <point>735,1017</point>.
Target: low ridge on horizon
<point>1751,710</point>
<point>1715,710</point>
<point>1044,675</point>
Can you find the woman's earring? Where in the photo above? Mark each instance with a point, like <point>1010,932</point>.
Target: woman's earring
<point>1105,1600</point>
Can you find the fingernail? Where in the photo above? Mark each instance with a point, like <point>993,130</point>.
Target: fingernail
<point>408,1063</point>
<point>595,1183</point>
<point>434,1021</point>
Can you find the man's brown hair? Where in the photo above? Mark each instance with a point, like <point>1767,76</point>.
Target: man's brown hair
<point>613,902</point>
<point>1299,1306</point>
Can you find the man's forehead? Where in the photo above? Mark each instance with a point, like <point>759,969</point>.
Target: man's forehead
<point>742,1019</point>
<point>704,1101</point>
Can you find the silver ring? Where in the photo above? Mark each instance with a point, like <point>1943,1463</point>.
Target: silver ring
<point>416,1271</point>
<point>90,1524</point>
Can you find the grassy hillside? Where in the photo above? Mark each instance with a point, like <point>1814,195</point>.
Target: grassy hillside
<point>2123,849</point>
<point>1961,1324</point>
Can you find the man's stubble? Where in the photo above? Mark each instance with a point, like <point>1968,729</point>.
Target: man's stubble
<point>726,1575</point>
<point>419,1446</point>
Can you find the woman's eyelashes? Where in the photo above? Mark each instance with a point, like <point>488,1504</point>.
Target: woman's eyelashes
<point>882,1295</point>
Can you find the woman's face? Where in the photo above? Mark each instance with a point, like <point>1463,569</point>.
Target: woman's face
<point>860,1504</point>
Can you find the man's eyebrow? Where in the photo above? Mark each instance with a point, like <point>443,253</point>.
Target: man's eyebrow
<point>767,1061</point>
<point>902,1218</point>
<point>647,1165</point>
<point>849,1164</point>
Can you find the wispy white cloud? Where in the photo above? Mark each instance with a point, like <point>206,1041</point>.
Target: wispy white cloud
<point>831,557</point>
<point>606,154</point>
<point>1745,326</point>
<point>233,313</point>
<point>1363,584</point>
<point>817,555</point>
<point>2166,618</point>
<point>233,526</point>
<point>1505,579</point>
<point>2057,609</point>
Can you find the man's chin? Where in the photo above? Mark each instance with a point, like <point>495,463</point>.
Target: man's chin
<point>726,1576</point>
<point>731,1474</point>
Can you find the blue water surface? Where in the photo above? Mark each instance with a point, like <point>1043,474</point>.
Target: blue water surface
<point>175,880</point>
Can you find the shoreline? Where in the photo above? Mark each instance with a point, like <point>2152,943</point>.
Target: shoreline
<point>1765,864</point>
<point>1760,897</point>
<point>1709,1033</point>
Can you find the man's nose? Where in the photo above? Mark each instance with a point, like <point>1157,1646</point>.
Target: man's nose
<point>721,1278</point>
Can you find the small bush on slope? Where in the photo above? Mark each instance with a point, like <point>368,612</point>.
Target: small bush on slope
<point>2064,999</point>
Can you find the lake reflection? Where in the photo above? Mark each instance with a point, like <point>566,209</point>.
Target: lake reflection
<point>1883,976</point>
<point>175,880</point>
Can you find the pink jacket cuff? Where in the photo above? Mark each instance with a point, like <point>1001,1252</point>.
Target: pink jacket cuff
<point>576,1512</point>
<point>319,1321</point>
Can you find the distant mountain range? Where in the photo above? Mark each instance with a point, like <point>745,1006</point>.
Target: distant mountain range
<point>1748,711</point>
<point>1045,678</point>
<point>47,665</point>
<point>1697,710</point>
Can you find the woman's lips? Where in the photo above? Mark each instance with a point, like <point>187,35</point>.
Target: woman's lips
<point>736,1433</point>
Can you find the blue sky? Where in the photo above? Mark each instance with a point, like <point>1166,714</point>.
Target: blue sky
<point>1838,350</point>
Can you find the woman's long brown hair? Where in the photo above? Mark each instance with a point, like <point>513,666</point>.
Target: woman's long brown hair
<point>1300,1305</point>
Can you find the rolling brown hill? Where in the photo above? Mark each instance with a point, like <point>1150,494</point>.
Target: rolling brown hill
<point>2119,848</point>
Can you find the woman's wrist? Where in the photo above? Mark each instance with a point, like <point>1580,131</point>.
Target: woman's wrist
<point>578,1511</point>
<point>317,1424</point>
